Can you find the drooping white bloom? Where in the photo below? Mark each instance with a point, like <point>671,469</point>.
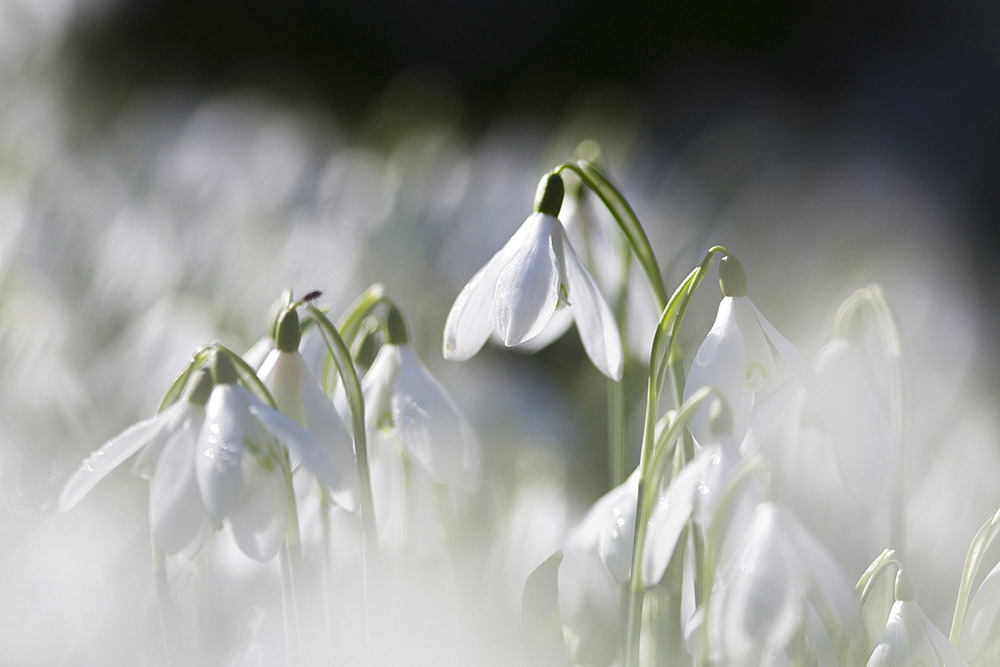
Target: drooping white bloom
<point>299,396</point>
<point>522,287</point>
<point>239,467</point>
<point>772,584</point>
<point>608,528</point>
<point>166,443</point>
<point>911,639</point>
<point>402,396</point>
<point>736,359</point>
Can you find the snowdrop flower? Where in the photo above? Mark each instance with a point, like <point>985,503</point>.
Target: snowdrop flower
<point>910,638</point>
<point>240,462</point>
<point>402,397</point>
<point>525,284</point>
<point>736,356</point>
<point>298,395</point>
<point>167,443</point>
<point>862,442</point>
<point>608,529</point>
<point>773,584</point>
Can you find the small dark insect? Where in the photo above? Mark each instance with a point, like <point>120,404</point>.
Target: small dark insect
<point>315,294</point>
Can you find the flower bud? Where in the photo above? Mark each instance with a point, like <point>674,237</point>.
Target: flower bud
<point>732,277</point>
<point>549,196</point>
<point>904,588</point>
<point>395,328</point>
<point>199,388</point>
<point>223,370</point>
<point>286,332</point>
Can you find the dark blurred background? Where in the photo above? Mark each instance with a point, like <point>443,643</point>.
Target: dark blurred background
<point>918,80</point>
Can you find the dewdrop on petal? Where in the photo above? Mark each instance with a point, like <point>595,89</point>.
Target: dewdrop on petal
<point>522,287</point>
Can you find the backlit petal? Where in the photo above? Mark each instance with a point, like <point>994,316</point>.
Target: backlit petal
<point>176,513</point>
<point>594,319</point>
<point>527,287</point>
<point>220,449</point>
<point>259,516</point>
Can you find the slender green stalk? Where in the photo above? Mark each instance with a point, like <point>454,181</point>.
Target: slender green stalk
<point>617,434</point>
<point>973,560</point>
<point>623,214</point>
<point>326,568</point>
<point>352,389</point>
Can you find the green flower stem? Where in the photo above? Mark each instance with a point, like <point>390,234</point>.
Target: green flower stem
<point>649,478</point>
<point>169,622</point>
<point>326,568</point>
<point>973,560</point>
<point>627,221</point>
<point>352,389</point>
<point>350,322</point>
<point>884,560</point>
<point>617,434</point>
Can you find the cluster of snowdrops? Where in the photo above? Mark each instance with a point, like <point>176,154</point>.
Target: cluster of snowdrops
<point>332,429</point>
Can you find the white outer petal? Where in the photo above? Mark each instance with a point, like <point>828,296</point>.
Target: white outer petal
<point>608,528</point>
<point>671,513</point>
<point>115,452</point>
<point>259,516</point>
<point>434,434</point>
<point>301,445</point>
<point>893,647</point>
<point>595,321</point>
<point>935,640</point>
<point>863,439</point>
<point>528,285</point>
<point>176,514</point>
<point>560,323</point>
<point>801,368</point>
<point>222,440</point>
<point>981,614</point>
<point>760,370</point>
<point>469,321</point>
<point>282,376</point>
<point>720,363</point>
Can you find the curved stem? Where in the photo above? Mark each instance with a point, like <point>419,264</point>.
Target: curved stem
<point>290,561</point>
<point>623,214</point>
<point>249,376</point>
<point>977,549</point>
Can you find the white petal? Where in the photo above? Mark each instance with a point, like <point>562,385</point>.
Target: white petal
<point>941,647</point>
<point>431,428</point>
<point>281,373</point>
<point>377,388</point>
<point>258,352</point>
<point>760,369</point>
<point>228,427</point>
<point>981,614</point>
<point>301,445</point>
<point>801,368</point>
<point>176,514</point>
<point>594,319</point>
<point>324,423</point>
<point>609,527</point>
<point>669,516</point>
<point>259,516</point>
<point>113,453</point>
<point>527,287</point>
<point>561,321</point>
<point>720,363</point>
<point>863,437</point>
<point>762,606</point>
<point>893,648</point>
<point>469,321</point>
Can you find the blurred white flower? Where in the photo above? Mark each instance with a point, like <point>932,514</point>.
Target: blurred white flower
<point>771,586</point>
<point>608,529</point>
<point>402,396</point>
<point>861,436</point>
<point>911,639</point>
<point>298,395</point>
<point>240,461</point>
<point>736,359</point>
<point>167,440</point>
<point>525,284</point>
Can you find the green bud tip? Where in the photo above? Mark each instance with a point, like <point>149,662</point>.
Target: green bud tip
<point>720,419</point>
<point>223,370</point>
<point>904,589</point>
<point>395,328</point>
<point>732,277</point>
<point>549,196</point>
<point>199,387</point>
<point>286,335</point>
<point>589,150</point>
